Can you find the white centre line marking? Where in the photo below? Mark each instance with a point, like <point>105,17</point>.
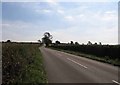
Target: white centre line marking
<point>76,62</point>
<point>116,82</point>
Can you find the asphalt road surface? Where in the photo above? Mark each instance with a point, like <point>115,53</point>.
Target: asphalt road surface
<point>62,67</point>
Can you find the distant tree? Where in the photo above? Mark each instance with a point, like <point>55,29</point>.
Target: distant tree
<point>71,42</point>
<point>76,43</point>
<point>82,43</point>
<point>95,43</point>
<point>57,42</point>
<point>8,41</point>
<point>47,39</point>
<point>100,43</point>
<point>89,43</point>
<point>39,41</point>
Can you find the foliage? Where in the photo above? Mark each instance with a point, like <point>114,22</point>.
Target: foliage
<point>8,41</point>
<point>71,42</point>
<point>47,39</point>
<point>22,63</point>
<point>57,42</point>
<point>39,41</point>
<point>89,43</point>
<point>110,52</point>
<point>76,43</point>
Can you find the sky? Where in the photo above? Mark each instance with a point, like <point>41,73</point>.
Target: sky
<point>66,21</point>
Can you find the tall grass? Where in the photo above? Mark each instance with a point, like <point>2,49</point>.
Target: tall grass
<point>22,63</point>
<point>0,63</point>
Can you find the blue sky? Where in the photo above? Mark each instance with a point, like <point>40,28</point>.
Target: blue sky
<point>66,21</point>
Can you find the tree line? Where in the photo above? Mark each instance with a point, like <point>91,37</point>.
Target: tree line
<point>110,51</point>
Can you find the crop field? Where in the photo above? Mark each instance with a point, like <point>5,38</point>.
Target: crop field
<point>105,53</point>
<point>22,63</point>
<point>0,63</point>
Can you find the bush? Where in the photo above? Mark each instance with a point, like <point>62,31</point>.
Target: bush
<point>22,63</point>
<point>110,51</point>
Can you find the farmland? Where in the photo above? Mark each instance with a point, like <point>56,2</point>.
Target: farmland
<point>22,63</point>
<point>105,53</point>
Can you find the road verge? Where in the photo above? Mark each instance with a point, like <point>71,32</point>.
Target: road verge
<point>115,62</point>
<point>22,63</point>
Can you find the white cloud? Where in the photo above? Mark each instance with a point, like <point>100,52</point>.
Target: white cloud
<point>5,25</point>
<point>43,11</point>
<point>85,25</point>
<point>22,31</point>
<point>110,15</point>
<point>81,15</point>
<point>38,11</point>
<point>60,11</point>
<point>69,18</point>
<point>37,7</point>
<point>60,0</point>
<point>96,18</point>
<point>56,7</point>
<point>52,2</point>
<point>100,34</point>
<point>96,26</point>
<point>46,10</point>
<point>110,12</point>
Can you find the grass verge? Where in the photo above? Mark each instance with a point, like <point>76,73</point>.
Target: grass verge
<point>22,63</point>
<point>105,59</point>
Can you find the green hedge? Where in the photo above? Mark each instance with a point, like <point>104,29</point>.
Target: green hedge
<point>110,51</point>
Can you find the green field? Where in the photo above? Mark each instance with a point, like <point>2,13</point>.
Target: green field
<point>22,63</point>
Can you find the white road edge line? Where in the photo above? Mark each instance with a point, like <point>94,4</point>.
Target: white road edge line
<point>116,82</point>
<point>76,62</point>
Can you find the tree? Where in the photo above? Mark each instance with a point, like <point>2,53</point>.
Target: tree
<point>89,43</point>
<point>57,42</point>
<point>71,42</point>
<point>76,43</point>
<point>47,39</point>
<point>82,43</point>
<point>39,41</point>
<point>100,43</point>
<point>95,43</point>
<point>8,41</point>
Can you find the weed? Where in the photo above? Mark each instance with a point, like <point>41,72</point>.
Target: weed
<point>22,63</point>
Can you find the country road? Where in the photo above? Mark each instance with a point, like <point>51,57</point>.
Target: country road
<point>67,68</point>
